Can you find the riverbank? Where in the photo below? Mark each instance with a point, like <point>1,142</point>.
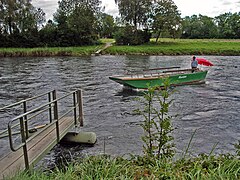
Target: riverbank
<point>221,47</point>
<point>105,167</point>
<point>164,46</point>
<point>49,51</point>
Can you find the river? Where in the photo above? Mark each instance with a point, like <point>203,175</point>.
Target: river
<point>210,109</point>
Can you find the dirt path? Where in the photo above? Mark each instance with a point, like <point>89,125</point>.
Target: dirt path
<point>107,45</point>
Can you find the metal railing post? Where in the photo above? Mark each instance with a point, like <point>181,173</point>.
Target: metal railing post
<point>24,143</point>
<point>75,110</point>
<point>55,112</point>
<point>80,106</point>
<point>25,119</point>
<point>50,107</point>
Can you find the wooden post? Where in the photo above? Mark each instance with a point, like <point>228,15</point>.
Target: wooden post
<point>80,106</point>
<point>55,109</point>
<point>24,143</point>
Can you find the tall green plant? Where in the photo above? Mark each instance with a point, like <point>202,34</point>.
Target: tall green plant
<point>237,147</point>
<point>157,124</point>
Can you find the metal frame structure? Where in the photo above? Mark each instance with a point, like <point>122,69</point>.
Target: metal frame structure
<point>52,108</point>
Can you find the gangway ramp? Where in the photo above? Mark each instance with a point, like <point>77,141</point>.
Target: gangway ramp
<point>34,146</point>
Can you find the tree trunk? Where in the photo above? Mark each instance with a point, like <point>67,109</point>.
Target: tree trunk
<point>158,35</point>
<point>10,25</point>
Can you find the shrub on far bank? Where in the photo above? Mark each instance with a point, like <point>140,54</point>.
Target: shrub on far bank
<point>130,36</point>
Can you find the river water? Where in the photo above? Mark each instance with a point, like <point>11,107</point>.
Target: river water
<point>210,109</point>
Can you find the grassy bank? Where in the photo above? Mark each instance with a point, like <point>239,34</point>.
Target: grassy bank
<point>43,52</point>
<point>104,167</point>
<point>162,47</point>
<point>180,47</point>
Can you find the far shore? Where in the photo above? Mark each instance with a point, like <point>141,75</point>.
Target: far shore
<point>171,47</point>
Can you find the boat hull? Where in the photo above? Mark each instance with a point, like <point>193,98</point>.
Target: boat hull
<point>145,81</point>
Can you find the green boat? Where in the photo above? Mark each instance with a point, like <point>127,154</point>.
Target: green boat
<point>176,77</point>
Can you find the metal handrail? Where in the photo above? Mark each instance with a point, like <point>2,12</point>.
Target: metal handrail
<point>40,112</point>
<point>44,105</point>
<point>66,113</point>
<point>52,103</point>
<point>32,111</point>
<point>26,100</point>
<point>23,102</point>
<point>6,130</point>
<point>11,140</point>
<point>29,118</point>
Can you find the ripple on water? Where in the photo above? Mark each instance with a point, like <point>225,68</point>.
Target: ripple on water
<point>211,108</point>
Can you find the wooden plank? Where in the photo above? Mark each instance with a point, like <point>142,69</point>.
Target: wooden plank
<point>37,147</point>
<point>153,69</point>
<point>38,150</point>
<point>180,70</point>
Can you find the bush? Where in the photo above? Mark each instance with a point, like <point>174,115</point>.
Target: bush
<point>130,36</point>
<point>26,39</point>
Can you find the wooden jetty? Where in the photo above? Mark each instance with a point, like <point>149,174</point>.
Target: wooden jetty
<point>34,146</point>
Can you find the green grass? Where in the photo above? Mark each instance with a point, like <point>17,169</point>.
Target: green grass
<point>180,47</point>
<point>107,40</point>
<point>54,51</point>
<point>105,167</point>
<point>164,46</point>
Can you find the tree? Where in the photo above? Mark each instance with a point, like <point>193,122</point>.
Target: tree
<point>166,17</point>
<point>228,25</point>
<point>199,27</point>
<point>68,6</point>
<point>8,15</point>
<point>128,35</point>
<point>106,25</point>
<point>77,21</point>
<point>193,29</point>
<point>19,16</point>
<point>39,16</point>
<point>235,23</point>
<point>83,24</point>
<point>134,12</point>
<point>208,28</point>
<point>48,34</point>
<point>19,22</point>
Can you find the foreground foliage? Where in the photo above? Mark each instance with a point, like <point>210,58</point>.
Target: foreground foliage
<point>105,167</point>
<point>157,126</point>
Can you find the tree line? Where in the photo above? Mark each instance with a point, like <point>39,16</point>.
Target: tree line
<point>83,22</point>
